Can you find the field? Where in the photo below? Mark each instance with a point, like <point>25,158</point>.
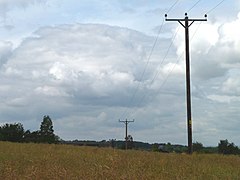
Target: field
<point>43,161</point>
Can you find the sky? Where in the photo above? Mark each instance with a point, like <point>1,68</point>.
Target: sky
<point>89,63</point>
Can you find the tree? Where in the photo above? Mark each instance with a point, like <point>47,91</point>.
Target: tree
<point>46,131</point>
<point>155,147</point>
<point>197,147</point>
<point>15,133</point>
<point>224,147</point>
<point>31,136</point>
<point>168,147</point>
<point>112,142</point>
<point>130,143</point>
<point>12,132</point>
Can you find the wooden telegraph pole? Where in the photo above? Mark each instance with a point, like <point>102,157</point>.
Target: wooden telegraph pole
<point>126,122</point>
<point>187,23</point>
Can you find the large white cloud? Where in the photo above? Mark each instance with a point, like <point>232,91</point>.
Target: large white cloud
<point>85,75</point>
<point>64,69</point>
<point>214,47</point>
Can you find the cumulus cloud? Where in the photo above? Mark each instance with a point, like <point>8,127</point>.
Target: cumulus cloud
<point>86,74</point>
<point>65,67</point>
<point>214,47</point>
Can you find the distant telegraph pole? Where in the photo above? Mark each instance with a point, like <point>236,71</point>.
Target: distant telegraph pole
<point>186,25</point>
<point>126,122</point>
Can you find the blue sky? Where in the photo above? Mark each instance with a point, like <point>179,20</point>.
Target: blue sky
<point>88,63</point>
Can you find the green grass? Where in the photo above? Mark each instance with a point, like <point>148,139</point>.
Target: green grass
<point>43,161</point>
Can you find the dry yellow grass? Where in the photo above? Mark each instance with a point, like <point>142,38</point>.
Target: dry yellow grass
<point>43,161</point>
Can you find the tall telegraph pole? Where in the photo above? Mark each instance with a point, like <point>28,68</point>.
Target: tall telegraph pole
<point>187,23</point>
<point>126,122</point>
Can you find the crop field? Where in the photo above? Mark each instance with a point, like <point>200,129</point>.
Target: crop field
<point>44,161</point>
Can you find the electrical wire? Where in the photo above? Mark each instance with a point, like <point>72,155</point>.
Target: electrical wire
<point>174,4</point>
<point>144,71</point>
<point>193,5</point>
<point>208,12</point>
<point>170,71</point>
<point>158,72</point>
<point>180,57</point>
<point>165,80</point>
<point>148,59</point>
<point>164,58</point>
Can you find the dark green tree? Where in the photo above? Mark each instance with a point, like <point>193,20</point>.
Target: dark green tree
<point>155,147</point>
<point>31,136</point>
<point>12,132</point>
<point>46,131</point>
<point>168,147</point>
<point>130,143</point>
<point>197,147</point>
<point>224,147</point>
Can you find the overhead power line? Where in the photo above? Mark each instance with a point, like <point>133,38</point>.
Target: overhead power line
<point>148,60</point>
<point>169,72</point>
<point>157,72</point>
<point>164,58</point>
<point>174,4</point>
<point>145,68</point>
<point>193,5</point>
<point>215,7</point>
<point>173,67</point>
<point>178,59</point>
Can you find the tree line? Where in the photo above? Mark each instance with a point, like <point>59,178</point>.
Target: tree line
<point>16,133</point>
<point>224,147</point>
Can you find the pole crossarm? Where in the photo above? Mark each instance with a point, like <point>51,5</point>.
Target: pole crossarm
<point>186,18</point>
<point>126,121</point>
<point>186,23</point>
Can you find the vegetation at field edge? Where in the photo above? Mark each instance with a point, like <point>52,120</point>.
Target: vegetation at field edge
<point>51,161</point>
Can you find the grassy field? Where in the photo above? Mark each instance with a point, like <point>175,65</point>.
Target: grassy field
<point>43,161</point>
